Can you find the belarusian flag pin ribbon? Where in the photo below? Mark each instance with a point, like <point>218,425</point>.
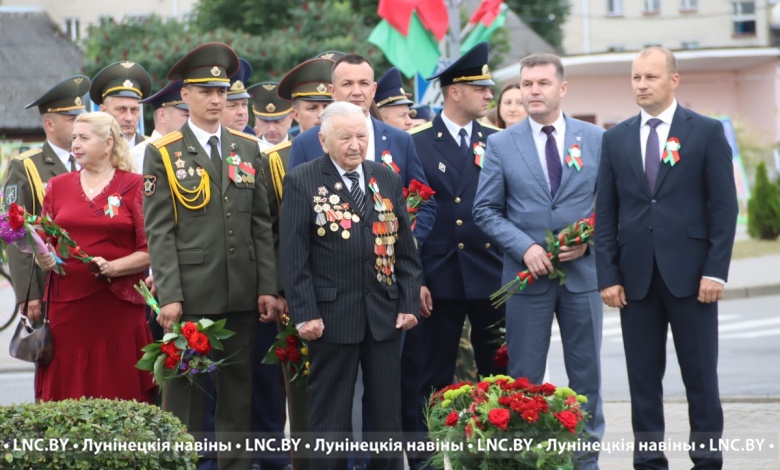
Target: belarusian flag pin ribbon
<point>574,158</point>
<point>672,151</point>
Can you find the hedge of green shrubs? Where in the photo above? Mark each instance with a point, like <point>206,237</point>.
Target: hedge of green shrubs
<point>764,206</point>
<point>33,436</point>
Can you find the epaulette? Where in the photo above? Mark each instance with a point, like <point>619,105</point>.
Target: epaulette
<point>242,134</point>
<point>29,153</point>
<point>420,128</point>
<point>490,126</point>
<point>277,147</point>
<point>167,139</point>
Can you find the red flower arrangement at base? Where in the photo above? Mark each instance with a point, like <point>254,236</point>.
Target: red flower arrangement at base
<point>470,415</point>
<point>185,351</point>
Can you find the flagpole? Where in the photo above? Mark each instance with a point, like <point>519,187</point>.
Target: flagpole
<point>453,37</point>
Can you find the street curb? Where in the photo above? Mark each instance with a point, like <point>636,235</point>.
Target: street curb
<point>725,400</point>
<point>751,291</point>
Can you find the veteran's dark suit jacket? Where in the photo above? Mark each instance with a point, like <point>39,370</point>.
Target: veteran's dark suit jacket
<point>686,225</point>
<point>460,260</point>
<point>334,279</point>
<point>18,189</point>
<point>219,258</point>
<point>306,147</point>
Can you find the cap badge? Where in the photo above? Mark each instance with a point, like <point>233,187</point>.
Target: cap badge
<point>322,88</point>
<point>329,55</point>
<point>412,113</point>
<point>127,84</point>
<point>239,85</point>
<point>485,69</point>
<point>402,91</point>
<point>270,107</point>
<point>127,64</point>
<point>215,71</point>
<point>78,80</point>
<point>77,101</point>
<point>269,86</point>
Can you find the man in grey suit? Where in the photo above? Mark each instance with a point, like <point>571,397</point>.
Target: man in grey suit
<point>526,187</point>
<point>352,279</point>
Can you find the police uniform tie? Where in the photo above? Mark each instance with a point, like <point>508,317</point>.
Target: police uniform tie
<point>554,168</point>
<point>357,194</point>
<point>652,154</point>
<point>215,158</point>
<point>464,145</point>
<point>72,161</point>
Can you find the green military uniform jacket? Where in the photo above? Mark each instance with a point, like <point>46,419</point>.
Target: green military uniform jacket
<point>218,257</point>
<point>20,188</point>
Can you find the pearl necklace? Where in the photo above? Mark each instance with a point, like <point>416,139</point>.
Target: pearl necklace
<point>92,186</point>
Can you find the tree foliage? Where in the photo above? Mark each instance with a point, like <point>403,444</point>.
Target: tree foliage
<point>545,17</point>
<point>764,207</point>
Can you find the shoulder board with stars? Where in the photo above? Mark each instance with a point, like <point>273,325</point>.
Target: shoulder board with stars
<point>167,139</point>
<point>277,147</point>
<point>29,153</point>
<point>242,134</point>
<point>420,128</point>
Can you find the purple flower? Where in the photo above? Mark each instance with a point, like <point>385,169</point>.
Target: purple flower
<point>183,366</point>
<point>7,234</point>
<point>193,371</point>
<point>211,368</point>
<point>189,352</point>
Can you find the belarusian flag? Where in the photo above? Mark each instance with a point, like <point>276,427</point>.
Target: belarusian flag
<point>489,16</point>
<point>409,32</point>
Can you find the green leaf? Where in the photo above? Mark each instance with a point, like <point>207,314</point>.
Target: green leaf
<point>159,369</point>
<point>181,343</point>
<point>224,334</point>
<point>153,347</point>
<point>217,325</point>
<point>169,336</point>
<point>204,323</point>
<point>216,344</point>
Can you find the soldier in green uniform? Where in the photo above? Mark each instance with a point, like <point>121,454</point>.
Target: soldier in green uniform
<point>209,229</point>
<point>28,174</point>
<point>118,88</point>
<point>272,115</point>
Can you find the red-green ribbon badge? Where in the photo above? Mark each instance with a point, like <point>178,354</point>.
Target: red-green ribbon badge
<point>479,153</point>
<point>672,151</point>
<point>387,159</point>
<point>238,171</point>
<point>574,158</point>
<point>112,208</point>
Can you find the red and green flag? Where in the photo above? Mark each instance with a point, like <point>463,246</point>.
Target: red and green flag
<point>488,17</point>
<point>409,33</point>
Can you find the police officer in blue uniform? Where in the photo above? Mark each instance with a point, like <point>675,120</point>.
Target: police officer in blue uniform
<point>462,266</point>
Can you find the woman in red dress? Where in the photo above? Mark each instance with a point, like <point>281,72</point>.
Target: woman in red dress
<point>97,321</point>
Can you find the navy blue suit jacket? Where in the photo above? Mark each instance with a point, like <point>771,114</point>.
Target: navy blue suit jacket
<point>685,225</point>
<point>459,260</point>
<point>306,147</point>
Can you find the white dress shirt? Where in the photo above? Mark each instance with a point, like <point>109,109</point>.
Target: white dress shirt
<point>203,137</point>
<point>662,129</point>
<point>139,151</point>
<point>347,181</point>
<point>63,155</point>
<point>454,129</point>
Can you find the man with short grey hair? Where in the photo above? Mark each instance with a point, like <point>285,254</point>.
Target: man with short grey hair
<point>352,278</point>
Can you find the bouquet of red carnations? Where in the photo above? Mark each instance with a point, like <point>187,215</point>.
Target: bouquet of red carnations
<point>575,234</point>
<point>416,195</point>
<point>28,232</point>
<point>184,352</point>
<point>291,351</point>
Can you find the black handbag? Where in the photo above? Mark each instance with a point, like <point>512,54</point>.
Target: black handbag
<point>33,344</point>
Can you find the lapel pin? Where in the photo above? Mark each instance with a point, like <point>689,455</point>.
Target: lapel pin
<point>438,135</point>
<point>232,145</point>
<point>442,168</point>
<point>479,133</point>
<point>578,138</point>
<point>191,148</point>
<point>338,186</point>
<point>384,137</point>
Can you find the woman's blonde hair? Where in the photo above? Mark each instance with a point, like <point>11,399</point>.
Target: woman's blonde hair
<point>104,126</point>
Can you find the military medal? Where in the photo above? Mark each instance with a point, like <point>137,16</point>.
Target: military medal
<point>199,171</point>
<point>385,232</point>
<point>181,173</point>
<point>180,163</point>
<point>239,171</point>
<point>190,171</point>
<point>338,186</point>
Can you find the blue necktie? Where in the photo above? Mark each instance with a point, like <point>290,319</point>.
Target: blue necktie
<point>357,193</point>
<point>554,169</point>
<point>652,154</point>
<point>464,145</point>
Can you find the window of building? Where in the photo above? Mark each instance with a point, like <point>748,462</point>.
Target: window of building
<point>744,18</point>
<point>616,48</point>
<point>689,5</point>
<point>615,7</point>
<point>72,27</point>
<point>651,7</point>
<point>690,44</point>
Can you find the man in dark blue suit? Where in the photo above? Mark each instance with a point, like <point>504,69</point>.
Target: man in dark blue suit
<point>353,81</point>
<point>461,264</point>
<point>665,221</point>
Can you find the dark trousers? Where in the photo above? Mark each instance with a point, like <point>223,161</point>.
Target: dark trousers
<point>233,391</point>
<point>441,338</point>
<point>268,400</point>
<point>695,333</point>
<point>331,392</point>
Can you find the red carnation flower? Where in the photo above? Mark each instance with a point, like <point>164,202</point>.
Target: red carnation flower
<point>293,355</point>
<point>189,329</point>
<point>292,340</point>
<point>15,216</point>
<point>452,419</point>
<point>281,355</point>
<point>468,431</point>
<point>499,417</point>
<point>530,416</point>
<point>501,359</point>
<point>200,343</point>
<point>172,362</point>
<point>169,348</point>
<point>567,419</point>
